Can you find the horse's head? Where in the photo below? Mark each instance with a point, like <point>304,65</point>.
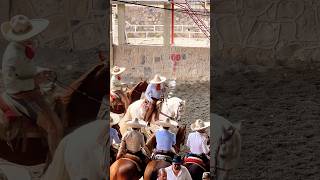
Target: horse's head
<point>180,109</point>
<point>135,93</point>
<point>182,106</point>
<point>142,86</point>
<point>101,76</point>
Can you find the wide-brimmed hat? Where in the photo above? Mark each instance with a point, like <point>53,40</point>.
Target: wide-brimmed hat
<point>177,160</point>
<point>12,172</point>
<point>199,124</point>
<point>167,123</point>
<point>136,123</point>
<point>114,121</point>
<point>117,70</point>
<point>158,79</point>
<point>21,28</point>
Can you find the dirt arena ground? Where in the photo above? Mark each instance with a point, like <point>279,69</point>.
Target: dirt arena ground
<point>71,65</point>
<point>280,133</point>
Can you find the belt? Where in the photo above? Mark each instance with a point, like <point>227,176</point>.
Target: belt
<point>155,98</point>
<point>162,151</point>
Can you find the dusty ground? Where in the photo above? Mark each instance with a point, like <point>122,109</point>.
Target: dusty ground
<point>281,130</point>
<point>71,65</point>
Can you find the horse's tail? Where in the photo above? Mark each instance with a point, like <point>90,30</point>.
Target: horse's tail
<point>57,169</point>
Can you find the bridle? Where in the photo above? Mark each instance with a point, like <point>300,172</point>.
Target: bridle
<point>177,114</point>
<point>221,142</point>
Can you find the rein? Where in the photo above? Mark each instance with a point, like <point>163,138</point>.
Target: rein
<point>171,118</point>
<point>66,87</point>
<point>221,142</point>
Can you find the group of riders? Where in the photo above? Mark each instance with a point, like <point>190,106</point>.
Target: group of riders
<point>22,80</point>
<point>133,140</point>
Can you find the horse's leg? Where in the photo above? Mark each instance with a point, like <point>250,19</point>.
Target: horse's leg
<point>195,171</point>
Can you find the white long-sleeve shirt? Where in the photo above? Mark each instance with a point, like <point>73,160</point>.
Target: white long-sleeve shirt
<point>18,71</point>
<point>151,92</point>
<point>115,83</point>
<point>197,143</point>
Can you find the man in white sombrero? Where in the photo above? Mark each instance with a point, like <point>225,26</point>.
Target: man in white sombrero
<point>154,92</point>
<point>21,76</point>
<point>133,140</point>
<point>116,84</point>
<point>164,138</point>
<point>198,140</point>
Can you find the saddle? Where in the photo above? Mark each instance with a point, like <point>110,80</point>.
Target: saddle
<point>195,159</point>
<point>163,156</point>
<point>135,159</point>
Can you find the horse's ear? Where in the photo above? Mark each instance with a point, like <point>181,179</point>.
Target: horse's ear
<point>237,125</point>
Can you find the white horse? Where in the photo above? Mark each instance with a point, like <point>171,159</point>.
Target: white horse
<point>226,146</point>
<point>172,107</point>
<point>81,155</point>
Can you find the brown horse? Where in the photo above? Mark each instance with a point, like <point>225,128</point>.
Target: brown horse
<point>73,108</point>
<point>151,171</point>
<point>133,94</point>
<point>124,169</point>
<point>196,171</point>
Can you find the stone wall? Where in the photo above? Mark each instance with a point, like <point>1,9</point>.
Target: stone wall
<point>75,24</point>
<point>267,32</point>
<point>192,64</point>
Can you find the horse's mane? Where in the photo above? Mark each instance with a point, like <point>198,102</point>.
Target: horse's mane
<point>181,134</point>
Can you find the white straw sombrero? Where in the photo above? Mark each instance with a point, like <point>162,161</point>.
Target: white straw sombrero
<point>21,28</point>
<point>158,79</point>
<point>136,123</point>
<point>12,172</point>
<point>114,121</point>
<point>199,125</point>
<point>117,70</point>
<point>167,123</point>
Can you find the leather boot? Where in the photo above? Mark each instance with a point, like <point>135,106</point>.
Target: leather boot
<point>148,114</point>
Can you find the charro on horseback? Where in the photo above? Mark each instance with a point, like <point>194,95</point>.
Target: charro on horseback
<point>116,86</point>
<point>22,77</point>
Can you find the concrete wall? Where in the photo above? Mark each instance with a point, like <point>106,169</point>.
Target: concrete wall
<point>76,24</point>
<point>145,61</point>
<point>267,32</point>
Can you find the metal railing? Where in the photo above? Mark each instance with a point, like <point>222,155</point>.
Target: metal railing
<point>148,30</point>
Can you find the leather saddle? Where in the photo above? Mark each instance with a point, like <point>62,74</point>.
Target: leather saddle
<point>195,159</point>
<point>163,156</point>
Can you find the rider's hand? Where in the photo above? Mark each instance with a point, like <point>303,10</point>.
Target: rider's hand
<point>45,75</point>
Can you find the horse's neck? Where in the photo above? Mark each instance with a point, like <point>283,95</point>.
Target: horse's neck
<point>166,108</point>
<point>151,144</point>
<point>180,136</point>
